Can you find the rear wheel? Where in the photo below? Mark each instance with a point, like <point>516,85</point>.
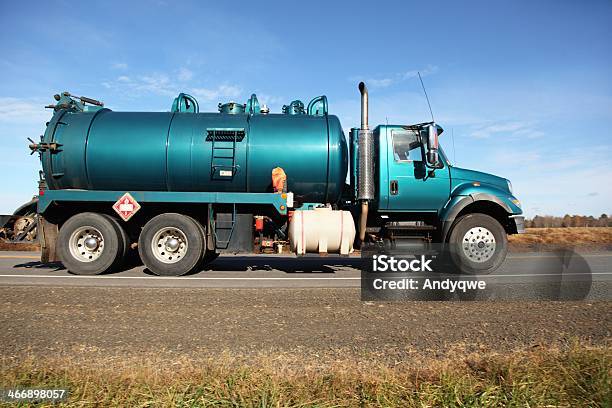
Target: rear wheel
<point>124,240</point>
<point>171,244</point>
<point>89,244</point>
<point>208,255</point>
<point>478,244</point>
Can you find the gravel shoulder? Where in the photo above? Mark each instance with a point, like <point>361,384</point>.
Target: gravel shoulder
<point>323,325</point>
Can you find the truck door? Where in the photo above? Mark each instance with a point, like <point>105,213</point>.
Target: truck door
<point>409,186</point>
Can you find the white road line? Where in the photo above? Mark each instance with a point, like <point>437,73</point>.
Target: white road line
<point>510,256</point>
<point>157,278</point>
<point>557,256</point>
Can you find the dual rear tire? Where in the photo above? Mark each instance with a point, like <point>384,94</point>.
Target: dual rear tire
<point>92,243</point>
<point>169,244</point>
<point>172,244</point>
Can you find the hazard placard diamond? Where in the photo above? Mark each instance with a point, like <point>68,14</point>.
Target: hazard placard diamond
<point>126,206</point>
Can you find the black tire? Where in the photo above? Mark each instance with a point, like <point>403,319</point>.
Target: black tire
<point>208,255</point>
<point>204,249</point>
<point>182,263</point>
<point>465,252</point>
<point>109,253</point>
<point>124,241</point>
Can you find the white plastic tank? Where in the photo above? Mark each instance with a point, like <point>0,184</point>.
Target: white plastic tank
<point>322,230</point>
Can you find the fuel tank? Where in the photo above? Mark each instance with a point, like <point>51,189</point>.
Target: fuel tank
<point>187,151</point>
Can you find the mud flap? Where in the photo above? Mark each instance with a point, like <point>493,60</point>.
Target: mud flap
<point>47,235</point>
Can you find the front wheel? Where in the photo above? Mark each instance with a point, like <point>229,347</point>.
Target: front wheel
<point>478,244</point>
<point>171,244</point>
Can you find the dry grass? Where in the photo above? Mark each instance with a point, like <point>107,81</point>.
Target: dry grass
<point>577,376</point>
<point>595,238</point>
<point>7,246</point>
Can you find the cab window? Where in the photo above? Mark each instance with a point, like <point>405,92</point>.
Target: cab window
<point>406,146</point>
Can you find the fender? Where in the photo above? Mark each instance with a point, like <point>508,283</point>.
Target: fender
<point>27,208</point>
<point>457,203</point>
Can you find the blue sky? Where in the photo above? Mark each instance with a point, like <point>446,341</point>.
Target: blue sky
<point>524,86</point>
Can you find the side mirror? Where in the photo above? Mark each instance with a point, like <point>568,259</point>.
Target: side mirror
<point>432,146</point>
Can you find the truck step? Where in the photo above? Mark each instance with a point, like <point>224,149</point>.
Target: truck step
<point>409,226</point>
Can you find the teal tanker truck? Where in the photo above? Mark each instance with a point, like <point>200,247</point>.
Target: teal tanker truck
<point>182,187</point>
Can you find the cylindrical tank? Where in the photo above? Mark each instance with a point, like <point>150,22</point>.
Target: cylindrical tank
<point>179,151</point>
<point>322,230</point>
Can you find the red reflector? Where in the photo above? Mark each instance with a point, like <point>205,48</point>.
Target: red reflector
<point>259,224</point>
<point>41,192</point>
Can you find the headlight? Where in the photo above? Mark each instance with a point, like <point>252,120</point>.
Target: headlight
<point>509,186</point>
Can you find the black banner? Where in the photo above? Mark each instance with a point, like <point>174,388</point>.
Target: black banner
<point>432,272</point>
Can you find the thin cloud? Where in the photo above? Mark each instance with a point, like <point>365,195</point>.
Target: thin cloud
<point>395,78</point>
<point>512,129</point>
<point>510,158</point>
<point>119,65</point>
<point>490,130</point>
<point>379,83</point>
<point>272,101</point>
<point>185,74</point>
<point>222,91</point>
<point>156,84</point>
<point>430,69</point>
<point>159,84</point>
<point>166,85</point>
<point>16,110</point>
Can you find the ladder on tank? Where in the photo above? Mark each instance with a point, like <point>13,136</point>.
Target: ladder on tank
<point>223,159</point>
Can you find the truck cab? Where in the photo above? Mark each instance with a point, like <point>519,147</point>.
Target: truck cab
<point>418,195</point>
<point>409,184</point>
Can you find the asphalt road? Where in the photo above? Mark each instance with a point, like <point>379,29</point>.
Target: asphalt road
<point>303,326</point>
<point>273,271</point>
<point>280,307</point>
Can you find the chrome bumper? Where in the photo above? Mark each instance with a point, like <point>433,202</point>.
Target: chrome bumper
<point>519,221</point>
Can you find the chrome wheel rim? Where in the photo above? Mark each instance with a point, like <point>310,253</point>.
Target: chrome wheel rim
<point>86,244</point>
<point>169,245</point>
<point>478,244</point>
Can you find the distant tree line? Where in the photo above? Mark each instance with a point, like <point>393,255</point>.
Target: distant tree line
<point>548,221</point>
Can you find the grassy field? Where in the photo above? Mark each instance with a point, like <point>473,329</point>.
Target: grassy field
<point>596,238</point>
<point>574,377</point>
